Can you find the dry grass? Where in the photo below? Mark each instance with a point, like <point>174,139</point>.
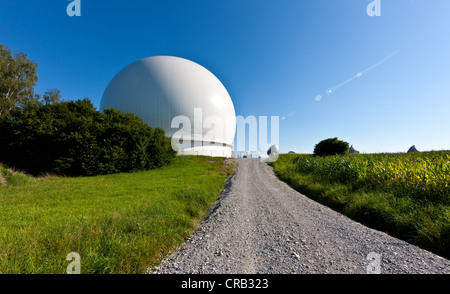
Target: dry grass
<point>2,179</point>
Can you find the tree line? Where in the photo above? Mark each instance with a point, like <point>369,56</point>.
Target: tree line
<point>43,134</point>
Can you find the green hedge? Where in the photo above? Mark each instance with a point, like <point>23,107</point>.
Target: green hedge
<point>73,138</point>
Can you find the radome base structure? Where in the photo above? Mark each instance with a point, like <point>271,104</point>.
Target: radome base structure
<point>180,96</point>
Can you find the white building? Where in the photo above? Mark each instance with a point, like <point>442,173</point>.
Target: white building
<point>180,96</point>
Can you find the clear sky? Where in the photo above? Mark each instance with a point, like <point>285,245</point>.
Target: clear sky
<point>324,67</point>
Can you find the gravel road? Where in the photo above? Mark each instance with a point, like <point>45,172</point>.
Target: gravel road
<point>260,225</point>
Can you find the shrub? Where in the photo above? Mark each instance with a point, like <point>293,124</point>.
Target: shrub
<point>331,146</point>
<point>73,138</point>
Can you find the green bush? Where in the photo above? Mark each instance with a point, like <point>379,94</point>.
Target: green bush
<point>73,138</point>
<point>331,146</point>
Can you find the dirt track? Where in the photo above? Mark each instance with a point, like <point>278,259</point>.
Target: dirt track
<point>261,225</point>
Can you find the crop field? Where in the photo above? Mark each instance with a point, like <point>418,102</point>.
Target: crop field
<point>404,194</point>
<point>119,223</point>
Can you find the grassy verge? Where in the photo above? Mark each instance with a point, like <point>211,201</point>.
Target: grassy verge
<point>415,211</point>
<point>12,177</point>
<point>121,223</point>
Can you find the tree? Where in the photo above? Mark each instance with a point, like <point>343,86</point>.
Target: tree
<point>18,76</point>
<point>51,96</point>
<point>73,138</point>
<point>331,146</point>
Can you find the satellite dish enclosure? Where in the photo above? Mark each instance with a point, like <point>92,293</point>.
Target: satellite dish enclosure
<point>413,149</point>
<point>179,96</point>
<point>274,149</point>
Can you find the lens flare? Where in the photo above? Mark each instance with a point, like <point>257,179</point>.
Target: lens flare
<point>333,89</point>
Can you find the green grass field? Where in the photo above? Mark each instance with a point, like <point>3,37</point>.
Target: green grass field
<point>405,195</point>
<point>121,223</point>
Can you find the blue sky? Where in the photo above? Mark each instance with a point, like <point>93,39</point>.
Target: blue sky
<point>274,58</point>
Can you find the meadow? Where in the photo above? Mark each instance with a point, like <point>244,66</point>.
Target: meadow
<point>406,195</point>
<point>119,223</point>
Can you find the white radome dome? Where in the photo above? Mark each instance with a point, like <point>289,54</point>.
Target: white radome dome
<point>161,88</point>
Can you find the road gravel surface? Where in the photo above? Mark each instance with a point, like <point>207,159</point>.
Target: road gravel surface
<point>260,225</point>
